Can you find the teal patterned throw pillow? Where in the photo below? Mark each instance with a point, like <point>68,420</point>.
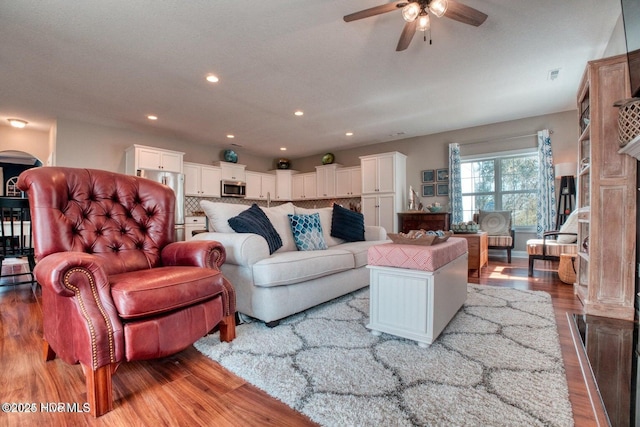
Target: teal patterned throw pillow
<point>307,232</point>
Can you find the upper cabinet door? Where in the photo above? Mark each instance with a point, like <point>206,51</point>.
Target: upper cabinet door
<point>378,174</point>
<point>386,174</point>
<point>191,179</point>
<point>148,159</point>
<point>143,157</point>
<point>210,177</point>
<point>369,175</point>
<point>171,162</point>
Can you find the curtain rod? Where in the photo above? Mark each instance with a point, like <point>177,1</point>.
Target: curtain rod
<point>500,140</point>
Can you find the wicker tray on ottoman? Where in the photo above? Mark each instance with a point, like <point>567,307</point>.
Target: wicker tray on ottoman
<point>419,237</point>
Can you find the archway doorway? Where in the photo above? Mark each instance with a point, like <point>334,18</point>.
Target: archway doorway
<point>12,164</point>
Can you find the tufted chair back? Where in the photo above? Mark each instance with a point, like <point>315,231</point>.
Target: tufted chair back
<point>123,219</point>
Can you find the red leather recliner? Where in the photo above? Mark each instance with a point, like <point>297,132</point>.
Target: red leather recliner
<point>114,286</point>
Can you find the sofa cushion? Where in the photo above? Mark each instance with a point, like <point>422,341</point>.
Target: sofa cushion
<point>286,268</point>
<point>326,215</point>
<point>360,250</point>
<point>219,214</point>
<point>495,223</point>
<point>144,293</point>
<point>278,217</point>
<point>552,247</point>
<point>254,220</point>
<point>307,232</point>
<point>347,224</point>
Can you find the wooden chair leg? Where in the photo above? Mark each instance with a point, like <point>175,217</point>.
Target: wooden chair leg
<point>47,352</point>
<point>228,328</point>
<point>99,388</point>
<point>531,259</point>
<point>509,255</point>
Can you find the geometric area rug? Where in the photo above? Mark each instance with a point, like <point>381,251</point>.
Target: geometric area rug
<point>497,363</point>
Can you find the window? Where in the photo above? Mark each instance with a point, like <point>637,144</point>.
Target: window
<point>503,182</point>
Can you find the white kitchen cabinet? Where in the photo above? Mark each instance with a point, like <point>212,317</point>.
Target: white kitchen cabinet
<point>384,175</point>
<point>193,223</point>
<point>201,180</point>
<point>348,182</point>
<point>284,184</point>
<point>380,210</point>
<point>260,186</point>
<point>143,157</point>
<point>232,171</point>
<point>304,186</point>
<point>326,180</point>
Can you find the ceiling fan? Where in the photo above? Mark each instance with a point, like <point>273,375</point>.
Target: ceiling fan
<point>416,14</point>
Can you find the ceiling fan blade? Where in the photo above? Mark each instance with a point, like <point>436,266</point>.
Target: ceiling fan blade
<point>373,11</point>
<point>465,14</point>
<point>407,35</point>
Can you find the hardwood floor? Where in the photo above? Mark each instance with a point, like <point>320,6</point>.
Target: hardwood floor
<point>190,389</point>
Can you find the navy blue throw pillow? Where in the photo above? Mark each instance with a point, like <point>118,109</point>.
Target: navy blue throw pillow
<point>254,220</point>
<point>347,224</point>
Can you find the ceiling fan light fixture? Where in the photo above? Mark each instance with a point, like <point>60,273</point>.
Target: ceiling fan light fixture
<point>410,12</point>
<point>438,7</point>
<point>424,23</point>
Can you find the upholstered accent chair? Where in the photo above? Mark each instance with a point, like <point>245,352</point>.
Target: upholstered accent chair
<point>115,287</point>
<point>499,228</point>
<point>554,243</point>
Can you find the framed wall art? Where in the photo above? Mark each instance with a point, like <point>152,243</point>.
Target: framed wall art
<point>428,190</point>
<point>428,175</point>
<point>442,175</point>
<point>442,189</point>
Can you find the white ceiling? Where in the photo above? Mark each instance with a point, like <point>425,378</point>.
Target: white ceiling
<point>113,62</point>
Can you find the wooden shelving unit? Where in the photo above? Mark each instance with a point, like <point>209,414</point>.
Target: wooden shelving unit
<point>606,195</point>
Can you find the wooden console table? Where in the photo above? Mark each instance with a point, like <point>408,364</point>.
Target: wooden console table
<point>424,220</point>
<point>478,244</point>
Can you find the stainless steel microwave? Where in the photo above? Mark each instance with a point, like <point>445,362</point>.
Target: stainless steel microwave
<point>233,188</point>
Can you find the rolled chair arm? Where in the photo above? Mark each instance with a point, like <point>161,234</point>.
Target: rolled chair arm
<point>79,297</point>
<point>197,253</point>
<point>202,253</point>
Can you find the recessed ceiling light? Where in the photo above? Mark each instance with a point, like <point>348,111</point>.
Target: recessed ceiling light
<point>211,78</point>
<point>17,123</point>
<point>283,148</point>
<point>299,113</point>
<point>230,136</point>
<point>152,117</point>
<point>349,133</point>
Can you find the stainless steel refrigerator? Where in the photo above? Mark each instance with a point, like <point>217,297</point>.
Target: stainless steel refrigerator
<point>175,181</point>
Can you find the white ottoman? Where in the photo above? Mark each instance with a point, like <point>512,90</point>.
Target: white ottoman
<point>416,290</point>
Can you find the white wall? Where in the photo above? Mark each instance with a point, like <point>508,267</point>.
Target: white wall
<point>617,43</point>
<point>432,151</point>
<point>27,140</point>
<point>93,146</point>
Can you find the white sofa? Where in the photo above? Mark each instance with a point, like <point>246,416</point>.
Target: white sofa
<point>271,287</point>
